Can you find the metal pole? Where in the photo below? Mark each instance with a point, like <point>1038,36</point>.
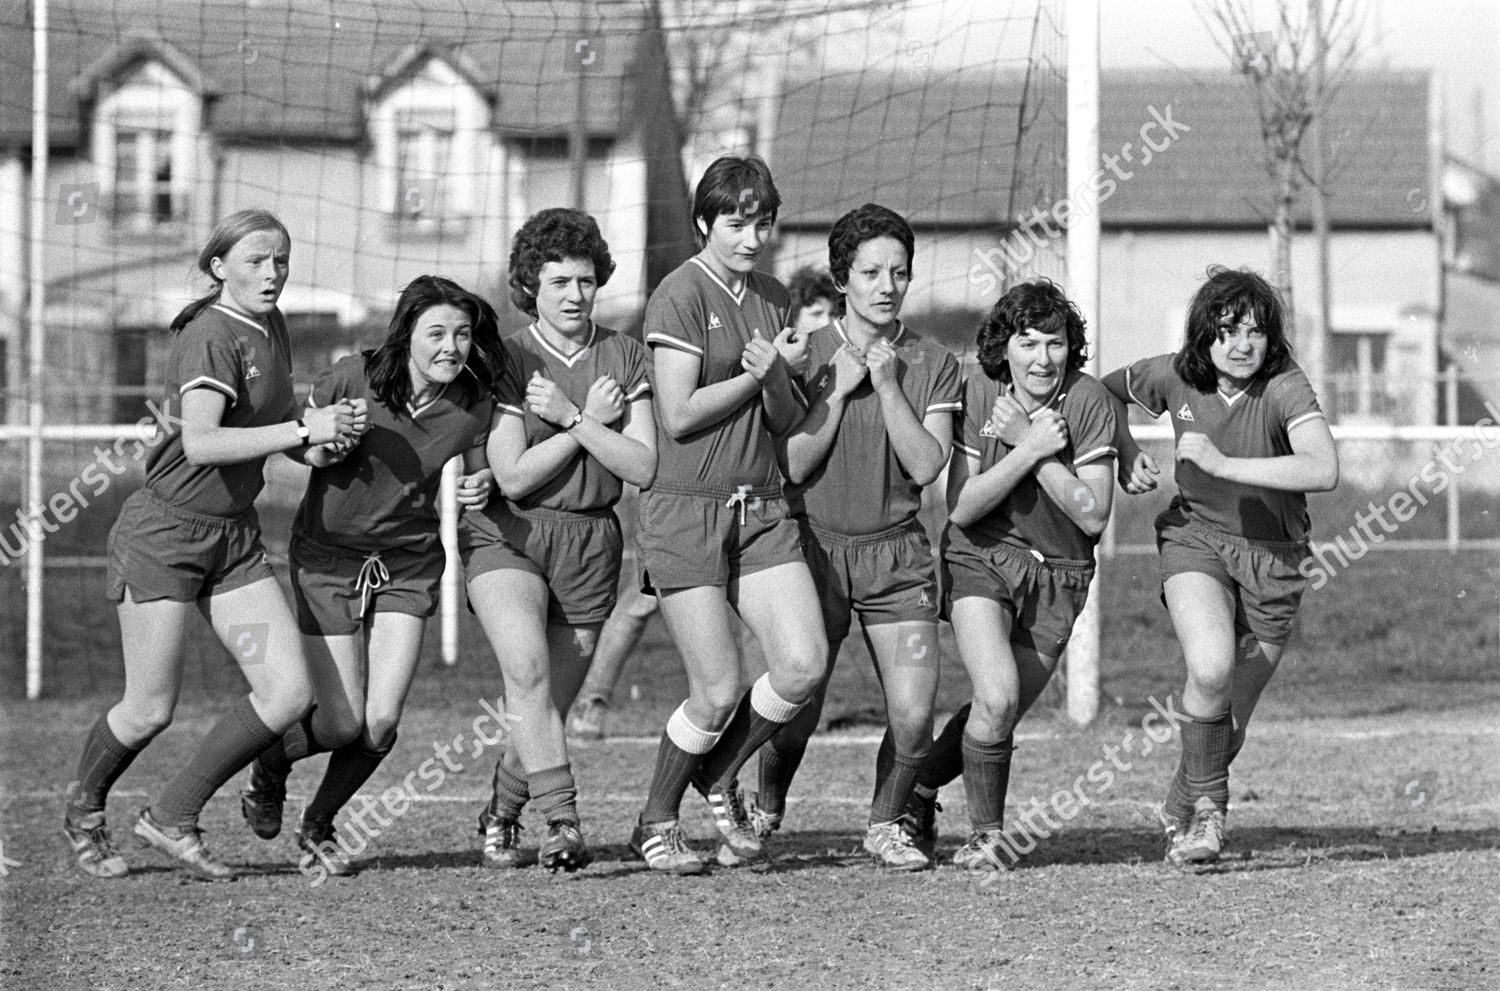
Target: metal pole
<point>1083,287</point>
<point>37,339</point>
<point>1450,411</point>
<point>452,586</point>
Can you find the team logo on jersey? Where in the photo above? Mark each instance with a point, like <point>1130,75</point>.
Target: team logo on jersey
<point>252,372</point>
<point>714,322</point>
<point>1186,413</point>
<point>988,430</point>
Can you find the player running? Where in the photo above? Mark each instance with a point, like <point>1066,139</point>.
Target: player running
<point>1027,502</point>
<point>574,420</point>
<point>190,541</point>
<point>1251,442</point>
<point>365,554</point>
<point>879,428</point>
<point>715,532</point>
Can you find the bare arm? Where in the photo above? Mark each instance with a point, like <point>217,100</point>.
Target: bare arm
<point>521,470</point>
<point>630,453</point>
<point>813,438</point>
<point>1313,465</point>
<point>1086,496</point>
<point>685,407</point>
<point>205,441</point>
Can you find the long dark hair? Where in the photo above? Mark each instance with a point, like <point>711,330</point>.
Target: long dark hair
<point>1038,305</point>
<point>1222,302</point>
<point>386,366</point>
<point>225,236</point>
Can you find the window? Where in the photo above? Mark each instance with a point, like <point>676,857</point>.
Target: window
<point>424,157</point>
<point>549,174</point>
<point>145,136</point>
<point>1360,385</point>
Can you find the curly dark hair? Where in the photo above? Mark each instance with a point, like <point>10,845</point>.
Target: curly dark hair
<point>734,184</point>
<point>1222,302</point>
<point>1036,305</point>
<point>865,223</point>
<point>808,284</point>
<point>386,366</point>
<point>554,235</point>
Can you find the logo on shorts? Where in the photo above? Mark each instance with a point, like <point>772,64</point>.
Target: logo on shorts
<point>714,322</point>
<point>924,601</point>
<point>1186,413</point>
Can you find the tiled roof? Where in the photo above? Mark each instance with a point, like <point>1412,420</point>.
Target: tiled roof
<point>300,69</point>
<point>943,149</point>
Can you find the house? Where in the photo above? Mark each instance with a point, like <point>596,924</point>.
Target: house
<point>393,140</point>
<point>975,161</point>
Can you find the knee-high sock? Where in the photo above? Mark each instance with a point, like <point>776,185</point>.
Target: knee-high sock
<point>231,744</point>
<point>509,793</point>
<point>350,767</point>
<point>757,718</point>
<point>777,768</point>
<point>1204,767</point>
<point>893,788</point>
<point>986,779</point>
<point>104,759</point>
<point>555,794</point>
<point>945,761</point>
<point>677,759</point>
<point>296,744</point>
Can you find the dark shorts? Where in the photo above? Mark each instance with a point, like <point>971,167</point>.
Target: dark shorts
<point>335,587</point>
<point>1042,596</point>
<point>160,552</point>
<point>692,539</point>
<point>1262,576</point>
<point>885,577</point>
<point>577,555</point>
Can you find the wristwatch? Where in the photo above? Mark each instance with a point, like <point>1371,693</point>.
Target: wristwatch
<point>302,432</point>
<point>577,419</point>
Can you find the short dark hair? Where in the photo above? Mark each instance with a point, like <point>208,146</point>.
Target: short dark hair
<point>1036,305</point>
<point>865,223</point>
<point>554,235</point>
<point>1226,298</point>
<point>808,284</point>
<point>386,366</point>
<point>734,184</point>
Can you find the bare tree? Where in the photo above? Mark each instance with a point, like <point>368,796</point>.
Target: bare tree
<point>1296,71</point>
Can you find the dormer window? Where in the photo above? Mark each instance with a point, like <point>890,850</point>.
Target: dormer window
<point>145,136</point>
<point>427,118</point>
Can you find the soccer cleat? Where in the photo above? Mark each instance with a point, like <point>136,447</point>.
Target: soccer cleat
<point>920,823</point>
<point>315,840</point>
<point>663,847</point>
<point>185,846</point>
<point>502,840</point>
<point>262,802</point>
<point>984,851</point>
<point>563,848</point>
<point>89,838</point>
<point>762,821</point>
<point>1205,834</point>
<point>741,843</point>
<point>888,843</point>
<point>1174,830</point>
<point>586,719</point>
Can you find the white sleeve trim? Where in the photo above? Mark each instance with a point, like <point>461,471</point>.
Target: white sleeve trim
<point>1107,451</point>
<point>955,406</point>
<point>641,390</point>
<point>1137,399</point>
<point>208,381</point>
<point>967,450</point>
<point>1312,414</point>
<point>674,342</point>
<point>510,410</point>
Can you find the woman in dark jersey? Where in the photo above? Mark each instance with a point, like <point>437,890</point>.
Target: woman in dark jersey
<point>190,542</point>
<point>1251,442</point>
<point>365,554</point>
